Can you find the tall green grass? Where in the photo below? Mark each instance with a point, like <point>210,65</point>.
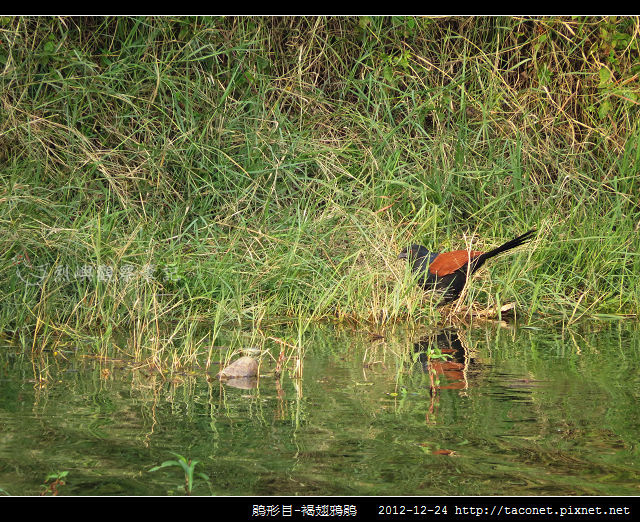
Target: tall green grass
<point>243,170</point>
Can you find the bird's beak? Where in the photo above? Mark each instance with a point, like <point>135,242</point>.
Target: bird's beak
<point>403,255</point>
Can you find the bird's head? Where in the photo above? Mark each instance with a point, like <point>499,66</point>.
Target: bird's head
<point>415,252</point>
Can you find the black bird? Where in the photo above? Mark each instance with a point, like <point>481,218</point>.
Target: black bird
<point>448,271</point>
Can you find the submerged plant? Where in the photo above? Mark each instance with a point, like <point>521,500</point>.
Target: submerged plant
<point>188,466</point>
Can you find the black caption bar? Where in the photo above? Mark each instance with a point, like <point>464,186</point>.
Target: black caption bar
<point>266,509</point>
<point>440,508</point>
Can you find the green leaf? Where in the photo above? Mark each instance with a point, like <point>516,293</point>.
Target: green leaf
<point>604,109</point>
<point>364,21</point>
<point>605,77</point>
<point>166,464</point>
<point>59,475</point>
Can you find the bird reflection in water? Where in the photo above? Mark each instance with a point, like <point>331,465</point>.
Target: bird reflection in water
<point>446,360</point>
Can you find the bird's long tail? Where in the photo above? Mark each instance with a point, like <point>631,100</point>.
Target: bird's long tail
<point>520,240</point>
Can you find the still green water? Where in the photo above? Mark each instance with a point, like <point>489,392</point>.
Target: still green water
<point>515,412</point>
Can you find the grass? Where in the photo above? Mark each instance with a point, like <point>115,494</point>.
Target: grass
<point>159,173</point>
<point>188,467</point>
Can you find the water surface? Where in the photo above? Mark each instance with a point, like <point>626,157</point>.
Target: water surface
<point>511,412</point>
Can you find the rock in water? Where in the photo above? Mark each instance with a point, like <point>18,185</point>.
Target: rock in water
<point>243,367</point>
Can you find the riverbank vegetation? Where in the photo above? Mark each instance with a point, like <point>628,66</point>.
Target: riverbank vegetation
<point>163,174</point>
